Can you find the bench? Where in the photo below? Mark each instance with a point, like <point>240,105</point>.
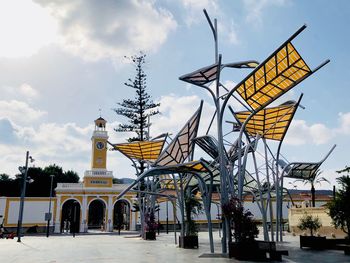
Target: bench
<point>345,248</point>
<point>270,248</point>
<point>277,254</point>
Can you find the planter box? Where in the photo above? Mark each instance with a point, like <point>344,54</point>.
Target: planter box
<point>332,243</point>
<point>188,241</point>
<point>313,242</point>
<point>150,235</point>
<point>246,251</point>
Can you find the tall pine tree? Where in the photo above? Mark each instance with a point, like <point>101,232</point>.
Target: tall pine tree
<point>137,110</point>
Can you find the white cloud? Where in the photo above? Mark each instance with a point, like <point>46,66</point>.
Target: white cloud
<point>300,133</point>
<point>229,30</point>
<point>27,91</point>
<point>111,29</point>
<point>320,133</point>
<point>24,92</point>
<point>344,119</point>
<point>24,28</point>
<point>255,9</point>
<point>195,9</point>
<point>19,112</point>
<point>175,112</point>
<point>66,145</point>
<point>199,5</point>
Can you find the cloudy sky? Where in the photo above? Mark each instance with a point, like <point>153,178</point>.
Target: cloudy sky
<point>61,61</point>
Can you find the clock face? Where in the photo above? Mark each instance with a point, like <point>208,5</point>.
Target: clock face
<point>100,145</point>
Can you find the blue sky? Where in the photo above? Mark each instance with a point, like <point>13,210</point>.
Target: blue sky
<point>61,61</point>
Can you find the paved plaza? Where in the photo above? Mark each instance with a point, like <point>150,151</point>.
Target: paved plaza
<point>130,248</point>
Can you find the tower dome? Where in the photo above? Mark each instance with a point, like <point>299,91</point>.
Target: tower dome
<point>100,123</point>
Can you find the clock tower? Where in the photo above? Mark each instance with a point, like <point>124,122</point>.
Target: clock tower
<point>99,145</point>
<point>98,176</point>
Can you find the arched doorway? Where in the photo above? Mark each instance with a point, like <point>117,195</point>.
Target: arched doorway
<point>70,219</point>
<point>96,219</point>
<point>121,215</point>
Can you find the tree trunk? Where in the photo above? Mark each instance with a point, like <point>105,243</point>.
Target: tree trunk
<point>313,195</point>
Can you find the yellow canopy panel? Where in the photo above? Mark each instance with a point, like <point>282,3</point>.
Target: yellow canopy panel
<point>167,183</point>
<point>270,123</point>
<point>142,150</point>
<point>190,167</point>
<point>281,72</point>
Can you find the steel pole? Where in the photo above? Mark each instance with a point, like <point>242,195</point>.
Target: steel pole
<point>20,215</point>
<point>222,162</point>
<point>49,218</point>
<point>74,218</point>
<point>167,219</point>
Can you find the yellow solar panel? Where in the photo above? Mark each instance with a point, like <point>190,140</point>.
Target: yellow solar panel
<point>270,123</point>
<point>274,77</point>
<point>143,150</point>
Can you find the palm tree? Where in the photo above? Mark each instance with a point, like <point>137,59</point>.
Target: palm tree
<point>339,209</point>
<point>317,179</point>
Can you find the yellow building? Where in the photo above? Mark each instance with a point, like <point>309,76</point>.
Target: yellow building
<point>92,204</point>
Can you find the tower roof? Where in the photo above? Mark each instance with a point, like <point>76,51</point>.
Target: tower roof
<point>100,122</point>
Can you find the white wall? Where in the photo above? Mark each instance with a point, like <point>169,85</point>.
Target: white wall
<point>162,211</point>
<point>216,211</point>
<point>2,207</point>
<point>33,212</point>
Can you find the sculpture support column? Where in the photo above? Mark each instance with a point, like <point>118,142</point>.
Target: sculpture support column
<point>83,223</point>
<point>109,220</point>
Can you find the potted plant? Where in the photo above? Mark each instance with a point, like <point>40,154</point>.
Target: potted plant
<point>150,226</point>
<point>192,207</point>
<point>245,230</point>
<point>312,224</point>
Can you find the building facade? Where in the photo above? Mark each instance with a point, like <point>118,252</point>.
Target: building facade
<point>93,203</point>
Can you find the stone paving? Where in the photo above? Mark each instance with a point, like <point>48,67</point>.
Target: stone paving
<point>130,248</point>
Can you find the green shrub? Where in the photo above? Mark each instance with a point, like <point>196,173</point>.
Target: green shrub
<point>308,222</point>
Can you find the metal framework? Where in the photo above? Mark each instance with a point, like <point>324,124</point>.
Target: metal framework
<point>249,166</point>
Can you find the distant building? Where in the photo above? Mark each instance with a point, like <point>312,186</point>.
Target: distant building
<point>94,201</point>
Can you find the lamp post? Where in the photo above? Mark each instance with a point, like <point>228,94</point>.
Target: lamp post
<point>49,214</point>
<point>24,172</point>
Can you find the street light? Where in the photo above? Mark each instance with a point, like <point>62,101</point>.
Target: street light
<point>49,216</point>
<point>241,64</point>
<point>24,172</point>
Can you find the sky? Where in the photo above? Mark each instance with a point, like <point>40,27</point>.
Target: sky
<point>62,61</point>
